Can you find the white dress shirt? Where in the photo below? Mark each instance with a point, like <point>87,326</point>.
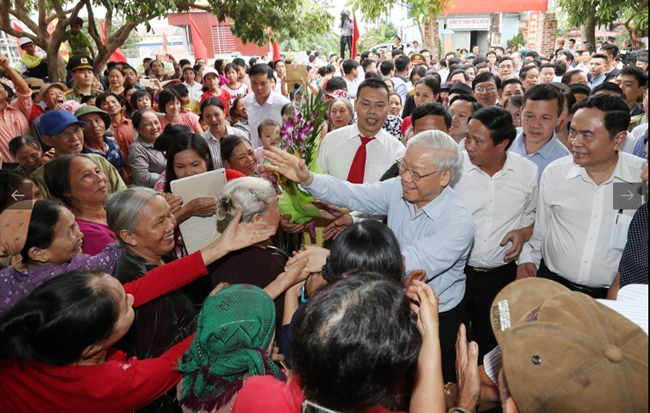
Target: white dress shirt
<point>338,148</point>
<point>575,220</point>
<point>499,204</point>
<point>271,109</point>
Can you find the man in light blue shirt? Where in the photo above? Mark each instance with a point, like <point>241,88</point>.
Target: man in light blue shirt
<point>541,112</point>
<point>433,226</point>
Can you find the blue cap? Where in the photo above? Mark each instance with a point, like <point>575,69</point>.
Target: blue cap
<point>55,122</point>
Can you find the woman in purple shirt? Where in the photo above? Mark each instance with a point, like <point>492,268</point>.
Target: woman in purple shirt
<point>81,185</point>
<point>52,246</point>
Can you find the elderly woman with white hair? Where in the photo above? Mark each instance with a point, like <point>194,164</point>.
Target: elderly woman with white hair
<point>143,224</point>
<point>433,226</point>
<point>258,264</point>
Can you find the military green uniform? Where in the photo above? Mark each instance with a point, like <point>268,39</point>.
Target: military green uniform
<point>78,63</point>
<point>75,94</point>
<point>636,121</point>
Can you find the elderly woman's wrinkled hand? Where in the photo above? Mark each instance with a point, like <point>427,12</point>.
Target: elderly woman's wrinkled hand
<point>467,372</point>
<point>205,206</point>
<point>425,306</point>
<point>317,257</point>
<point>175,202</point>
<point>295,169</point>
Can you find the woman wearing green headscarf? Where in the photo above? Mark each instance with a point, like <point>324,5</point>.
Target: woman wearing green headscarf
<point>234,335</point>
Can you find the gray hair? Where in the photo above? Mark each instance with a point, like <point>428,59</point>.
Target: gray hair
<point>123,209</point>
<point>447,151</point>
<point>253,195</point>
<point>348,104</point>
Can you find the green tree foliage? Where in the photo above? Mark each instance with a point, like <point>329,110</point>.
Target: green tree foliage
<point>592,13</point>
<point>519,38</point>
<point>421,11</point>
<point>252,21</point>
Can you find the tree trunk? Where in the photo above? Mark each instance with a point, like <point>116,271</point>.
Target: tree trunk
<point>589,30</point>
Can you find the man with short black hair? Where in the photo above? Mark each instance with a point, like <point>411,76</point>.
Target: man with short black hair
<point>511,87</point>
<point>597,69</point>
<point>368,65</point>
<point>402,66</point>
<point>263,103</point>
<point>611,50</point>
<point>573,242</point>
<point>492,60</point>
<point>632,80</point>
<point>485,185</point>
<point>546,73</point>
<point>461,107</point>
<point>505,67</point>
<point>459,76</point>
<point>351,71</point>
<point>387,69</point>
<point>485,88</point>
<point>542,111</point>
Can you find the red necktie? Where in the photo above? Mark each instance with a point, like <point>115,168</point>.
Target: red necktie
<point>358,168</point>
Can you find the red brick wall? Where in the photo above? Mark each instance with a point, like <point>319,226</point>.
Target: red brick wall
<point>548,28</point>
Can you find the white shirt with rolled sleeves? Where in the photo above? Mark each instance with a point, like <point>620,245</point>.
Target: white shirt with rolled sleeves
<point>436,238</point>
<point>339,147</point>
<point>575,220</point>
<point>499,204</point>
<point>271,109</point>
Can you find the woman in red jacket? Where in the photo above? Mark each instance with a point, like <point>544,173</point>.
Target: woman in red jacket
<point>55,345</point>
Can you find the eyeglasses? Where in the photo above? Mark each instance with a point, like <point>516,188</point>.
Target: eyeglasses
<point>415,175</point>
<point>488,89</point>
<point>66,136</point>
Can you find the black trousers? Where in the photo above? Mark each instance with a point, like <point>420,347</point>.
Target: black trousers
<point>482,288</point>
<point>449,323</point>
<point>39,71</point>
<point>545,272</point>
<point>346,40</point>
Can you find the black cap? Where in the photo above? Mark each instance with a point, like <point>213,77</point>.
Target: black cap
<point>460,88</point>
<point>80,62</point>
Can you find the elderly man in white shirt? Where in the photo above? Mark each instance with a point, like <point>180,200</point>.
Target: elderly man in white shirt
<point>574,241</point>
<point>500,189</point>
<point>341,150</point>
<point>263,103</point>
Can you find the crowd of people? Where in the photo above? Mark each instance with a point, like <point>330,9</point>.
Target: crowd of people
<point>474,249</point>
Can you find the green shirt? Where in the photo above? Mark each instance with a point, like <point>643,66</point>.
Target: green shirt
<point>115,183</point>
<point>79,44</point>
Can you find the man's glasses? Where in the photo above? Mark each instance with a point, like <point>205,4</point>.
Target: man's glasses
<point>415,175</point>
<point>488,89</point>
<point>66,136</point>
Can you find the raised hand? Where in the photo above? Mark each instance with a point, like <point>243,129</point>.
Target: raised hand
<point>467,372</point>
<point>288,165</point>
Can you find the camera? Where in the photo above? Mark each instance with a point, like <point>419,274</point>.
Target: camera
<point>344,14</point>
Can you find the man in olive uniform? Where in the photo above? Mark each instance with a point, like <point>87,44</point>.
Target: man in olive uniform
<point>82,72</point>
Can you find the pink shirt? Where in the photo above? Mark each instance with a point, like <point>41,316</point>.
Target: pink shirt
<point>184,118</point>
<point>96,236</point>
<point>14,121</point>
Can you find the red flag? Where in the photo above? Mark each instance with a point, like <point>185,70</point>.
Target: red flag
<point>20,49</point>
<point>164,43</point>
<point>117,55</point>
<point>355,37</point>
<point>276,51</point>
<point>200,51</point>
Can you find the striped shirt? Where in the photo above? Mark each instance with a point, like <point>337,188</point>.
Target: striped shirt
<point>554,149</point>
<point>215,146</point>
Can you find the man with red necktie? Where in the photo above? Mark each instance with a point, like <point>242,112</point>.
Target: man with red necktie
<point>362,152</point>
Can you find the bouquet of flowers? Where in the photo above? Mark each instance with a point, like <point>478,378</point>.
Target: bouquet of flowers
<point>300,135</point>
